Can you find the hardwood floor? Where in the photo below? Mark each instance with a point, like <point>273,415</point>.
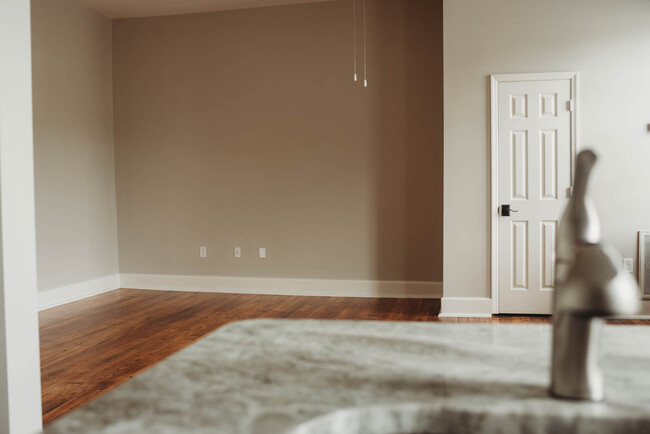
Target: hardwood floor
<point>92,345</point>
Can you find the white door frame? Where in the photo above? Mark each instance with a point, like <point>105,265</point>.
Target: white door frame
<point>495,79</point>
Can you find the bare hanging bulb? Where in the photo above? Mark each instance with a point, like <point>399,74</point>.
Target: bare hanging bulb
<point>354,36</point>
<point>365,66</point>
<point>365,76</point>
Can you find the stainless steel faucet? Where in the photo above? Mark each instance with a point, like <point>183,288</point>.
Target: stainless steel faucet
<point>590,284</point>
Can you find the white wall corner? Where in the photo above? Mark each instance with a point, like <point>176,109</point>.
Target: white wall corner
<point>20,374</point>
<point>477,307</point>
<point>279,286</point>
<point>645,307</point>
<point>77,291</point>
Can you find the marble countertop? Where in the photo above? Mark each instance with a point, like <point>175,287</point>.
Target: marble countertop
<point>313,377</point>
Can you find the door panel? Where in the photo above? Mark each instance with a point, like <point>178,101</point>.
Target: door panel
<point>519,165</point>
<point>519,255</point>
<point>534,169</point>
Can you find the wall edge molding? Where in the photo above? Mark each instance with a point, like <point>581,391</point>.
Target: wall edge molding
<point>473,307</point>
<point>77,291</point>
<point>284,286</point>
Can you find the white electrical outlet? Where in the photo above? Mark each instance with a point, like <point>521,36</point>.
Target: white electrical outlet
<point>237,252</point>
<point>628,265</point>
<point>203,252</point>
<point>262,252</point>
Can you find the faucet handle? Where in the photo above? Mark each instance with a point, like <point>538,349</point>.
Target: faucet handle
<point>597,285</point>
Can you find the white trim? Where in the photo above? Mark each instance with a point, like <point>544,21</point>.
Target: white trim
<point>279,286</point>
<point>645,308</point>
<point>474,307</point>
<point>534,76</point>
<point>77,291</point>
<point>495,79</point>
<point>641,262</point>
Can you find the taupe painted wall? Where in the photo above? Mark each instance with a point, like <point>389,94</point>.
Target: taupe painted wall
<point>76,230</point>
<point>244,128</point>
<point>608,43</point>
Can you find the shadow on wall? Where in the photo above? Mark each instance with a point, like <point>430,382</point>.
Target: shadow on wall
<point>405,109</point>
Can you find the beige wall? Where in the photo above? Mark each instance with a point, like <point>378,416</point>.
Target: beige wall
<point>608,43</point>
<point>244,128</point>
<point>76,230</point>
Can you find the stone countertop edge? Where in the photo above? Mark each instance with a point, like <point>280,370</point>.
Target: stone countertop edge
<point>374,377</point>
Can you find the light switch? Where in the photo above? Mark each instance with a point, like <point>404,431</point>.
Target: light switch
<point>203,252</point>
<point>237,252</point>
<point>628,265</point>
<point>262,252</point>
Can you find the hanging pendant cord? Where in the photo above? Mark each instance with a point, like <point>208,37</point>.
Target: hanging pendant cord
<point>354,35</point>
<point>365,73</point>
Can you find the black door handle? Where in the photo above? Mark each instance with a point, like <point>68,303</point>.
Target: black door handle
<point>506,210</point>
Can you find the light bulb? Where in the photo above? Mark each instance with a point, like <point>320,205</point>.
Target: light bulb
<point>365,83</point>
<point>355,76</point>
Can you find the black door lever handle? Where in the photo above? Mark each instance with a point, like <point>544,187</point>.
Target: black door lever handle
<point>506,210</point>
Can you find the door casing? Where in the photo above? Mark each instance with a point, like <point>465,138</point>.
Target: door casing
<point>495,79</point>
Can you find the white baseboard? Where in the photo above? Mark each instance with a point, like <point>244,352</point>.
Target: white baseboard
<point>478,307</point>
<point>77,291</point>
<point>475,307</point>
<point>278,286</point>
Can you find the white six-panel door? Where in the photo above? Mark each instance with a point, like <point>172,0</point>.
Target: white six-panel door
<point>534,133</point>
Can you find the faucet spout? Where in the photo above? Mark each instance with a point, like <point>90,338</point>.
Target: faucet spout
<point>579,224</point>
<point>589,285</point>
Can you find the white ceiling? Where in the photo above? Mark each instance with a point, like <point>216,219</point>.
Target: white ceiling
<point>148,8</point>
